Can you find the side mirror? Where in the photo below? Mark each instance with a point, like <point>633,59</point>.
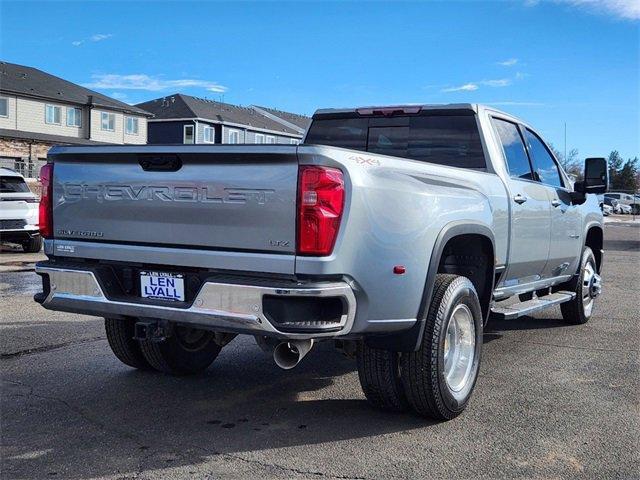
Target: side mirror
<point>596,176</point>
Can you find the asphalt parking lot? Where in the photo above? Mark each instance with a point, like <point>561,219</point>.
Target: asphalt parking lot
<point>553,401</point>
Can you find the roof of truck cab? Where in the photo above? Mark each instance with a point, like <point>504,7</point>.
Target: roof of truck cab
<point>475,107</point>
<point>444,106</point>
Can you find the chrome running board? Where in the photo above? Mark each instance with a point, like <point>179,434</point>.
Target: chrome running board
<point>516,310</point>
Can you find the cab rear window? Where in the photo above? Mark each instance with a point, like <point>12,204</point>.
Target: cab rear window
<point>451,140</point>
<point>13,185</point>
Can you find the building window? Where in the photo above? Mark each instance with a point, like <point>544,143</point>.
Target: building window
<point>53,114</point>
<point>131,125</point>
<point>208,135</point>
<point>188,134</point>
<point>234,136</point>
<point>271,139</point>
<point>259,138</point>
<point>74,117</point>
<point>4,107</point>
<point>294,141</point>
<point>108,121</point>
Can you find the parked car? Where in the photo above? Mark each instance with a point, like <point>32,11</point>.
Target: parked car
<point>18,212</point>
<point>393,231</point>
<point>613,203</point>
<point>626,199</point>
<point>606,209</point>
<point>626,209</point>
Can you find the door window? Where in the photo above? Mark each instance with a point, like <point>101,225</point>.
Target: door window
<point>544,163</point>
<point>514,149</point>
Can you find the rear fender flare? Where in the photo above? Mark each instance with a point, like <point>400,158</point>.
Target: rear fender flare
<point>410,340</point>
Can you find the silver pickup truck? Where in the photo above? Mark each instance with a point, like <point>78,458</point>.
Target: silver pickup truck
<point>394,232</point>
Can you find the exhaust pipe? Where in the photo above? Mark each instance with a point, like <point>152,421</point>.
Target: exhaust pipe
<point>288,354</point>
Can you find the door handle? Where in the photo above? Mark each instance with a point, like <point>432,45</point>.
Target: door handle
<point>556,202</point>
<point>519,199</point>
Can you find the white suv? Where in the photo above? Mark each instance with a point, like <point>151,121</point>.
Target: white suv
<point>18,212</point>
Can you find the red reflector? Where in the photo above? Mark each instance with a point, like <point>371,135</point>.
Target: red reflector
<point>399,269</point>
<point>45,222</point>
<point>320,205</point>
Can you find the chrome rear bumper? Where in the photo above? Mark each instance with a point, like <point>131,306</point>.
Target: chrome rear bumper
<point>217,306</point>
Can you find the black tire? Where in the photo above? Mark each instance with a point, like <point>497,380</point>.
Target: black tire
<point>185,352</point>
<point>423,370</point>
<point>33,245</point>
<point>120,337</point>
<point>574,312</point>
<point>379,374</point>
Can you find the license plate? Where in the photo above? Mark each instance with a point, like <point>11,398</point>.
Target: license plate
<point>162,286</point>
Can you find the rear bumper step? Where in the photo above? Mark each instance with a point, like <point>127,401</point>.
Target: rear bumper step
<point>217,306</point>
<point>531,306</point>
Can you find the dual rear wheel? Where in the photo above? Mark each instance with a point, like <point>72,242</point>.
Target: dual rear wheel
<point>436,380</point>
<point>186,351</point>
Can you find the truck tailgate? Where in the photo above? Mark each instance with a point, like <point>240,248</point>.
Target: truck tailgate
<point>239,198</point>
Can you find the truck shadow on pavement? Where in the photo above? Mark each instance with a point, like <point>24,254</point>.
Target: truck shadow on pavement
<point>109,419</point>
<point>495,328</point>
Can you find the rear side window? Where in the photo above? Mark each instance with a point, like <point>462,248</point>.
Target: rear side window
<point>514,149</point>
<point>13,185</point>
<point>451,140</point>
<point>545,166</point>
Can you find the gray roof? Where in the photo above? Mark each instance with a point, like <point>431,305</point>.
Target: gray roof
<point>45,137</point>
<point>31,82</point>
<point>301,121</point>
<point>185,106</point>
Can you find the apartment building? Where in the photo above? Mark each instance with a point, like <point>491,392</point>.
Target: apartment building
<point>185,119</point>
<point>38,110</point>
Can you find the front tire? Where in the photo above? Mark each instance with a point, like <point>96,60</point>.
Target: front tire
<point>185,352</point>
<point>579,310</point>
<point>440,376</point>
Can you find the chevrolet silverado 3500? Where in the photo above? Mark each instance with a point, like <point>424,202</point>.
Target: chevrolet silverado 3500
<point>393,231</point>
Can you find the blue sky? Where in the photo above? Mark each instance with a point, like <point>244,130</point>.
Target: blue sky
<point>550,62</point>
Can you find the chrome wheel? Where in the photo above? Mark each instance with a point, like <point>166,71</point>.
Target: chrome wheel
<point>591,287</point>
<point>459,348</point>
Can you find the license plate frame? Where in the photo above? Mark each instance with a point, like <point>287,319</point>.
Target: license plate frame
<point>167,286</point>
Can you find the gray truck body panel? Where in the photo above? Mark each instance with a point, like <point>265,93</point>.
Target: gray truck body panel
<point>233,208</point>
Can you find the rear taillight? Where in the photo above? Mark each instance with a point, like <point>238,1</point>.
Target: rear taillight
<point>45,222</point>
<point>320,205</point>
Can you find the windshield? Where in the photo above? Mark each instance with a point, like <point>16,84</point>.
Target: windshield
<point>451,140</point>
<point>13,185</point>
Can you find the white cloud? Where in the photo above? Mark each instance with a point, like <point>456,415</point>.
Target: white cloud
<point>627,9</point>
<point>98,37</point>
<point>510,62</point>
<point>150,83</point>
<point>472,86</point>
<point>502,82</point>
<point>467,87</point>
